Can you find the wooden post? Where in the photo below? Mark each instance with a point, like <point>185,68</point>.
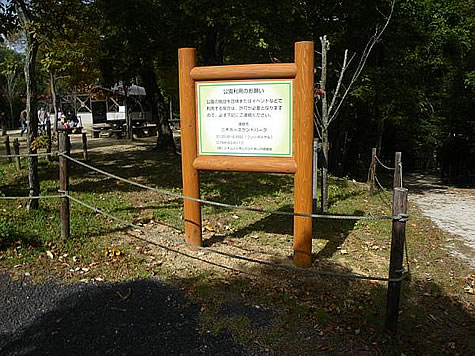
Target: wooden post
<point>84,146</point>
<point>372,172</point>
<point>396,258</point>
<point>190,175</point>
<point>397,182</point>
<point>64,147</point>
<point>16,148</point>
<point>48,134</point>
<point>8,149</point>
<point>303,147</point>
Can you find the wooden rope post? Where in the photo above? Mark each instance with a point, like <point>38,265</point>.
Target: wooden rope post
<point>396,258</point>
<point>16,149</point>
<point>372,172</point>
<point>8,148</point>
<point>190,175</point>
<point>64,147</point>
<point>84,146</point>
<point>303,147</point>
<point>397,181</point>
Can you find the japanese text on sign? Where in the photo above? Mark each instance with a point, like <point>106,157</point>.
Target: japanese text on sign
<point>245,118</point>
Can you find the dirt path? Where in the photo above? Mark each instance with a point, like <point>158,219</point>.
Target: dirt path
<point>451,209</point>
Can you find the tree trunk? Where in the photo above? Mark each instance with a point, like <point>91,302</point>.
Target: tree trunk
<point>12,119</point>
<point>52,82</point>
<point>324,125</point>
<point>380,132</point>
<point>31,99</point>
<point>159,111</point>
<point>128,118</point>
<point>213,53</point>
<point>324,165</point>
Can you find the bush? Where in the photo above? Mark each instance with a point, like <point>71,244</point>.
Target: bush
<point>8,231</point>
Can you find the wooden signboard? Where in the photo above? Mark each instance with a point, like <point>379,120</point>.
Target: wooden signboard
<point>253,118</point>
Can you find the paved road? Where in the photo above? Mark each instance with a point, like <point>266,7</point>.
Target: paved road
<point>145,317</point>
<point>453,210</point>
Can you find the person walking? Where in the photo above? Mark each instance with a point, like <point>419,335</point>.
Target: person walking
<point>23,122</point>
<point>42,121</point>
<point>3,122</point>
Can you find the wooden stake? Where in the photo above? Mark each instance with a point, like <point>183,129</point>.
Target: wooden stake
<point>303,149</point>
<point>64,147</point>
<point>397,182</point>
<point>191,180</point>
<point>396,258</point>
<point>16,148</point>
<point>84,146</point>
<point>372,171</point>
<point>8,149</point>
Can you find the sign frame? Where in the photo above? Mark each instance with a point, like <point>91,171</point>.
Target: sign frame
<point>301,73</point>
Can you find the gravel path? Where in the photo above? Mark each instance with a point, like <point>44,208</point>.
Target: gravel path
<point>145,317</point>
<point>452,210</point>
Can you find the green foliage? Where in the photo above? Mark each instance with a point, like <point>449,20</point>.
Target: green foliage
<point>8,230</point>
<point>416,90</point>
<point>40,142</point>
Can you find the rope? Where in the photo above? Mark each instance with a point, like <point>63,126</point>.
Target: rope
<point>224,205</point>
<point>242,258</point>
<point>30,155</point>
<point>34,197</point>
<point>377,181</point>
<point>382,164</point>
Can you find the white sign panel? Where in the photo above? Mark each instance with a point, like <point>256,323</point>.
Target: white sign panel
<point>245,118</point>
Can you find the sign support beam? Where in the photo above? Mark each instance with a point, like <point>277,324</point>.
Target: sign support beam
<point>303,123</point>
<point>191,179</point>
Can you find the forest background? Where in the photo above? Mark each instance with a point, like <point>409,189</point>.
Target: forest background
<point>416,93</point>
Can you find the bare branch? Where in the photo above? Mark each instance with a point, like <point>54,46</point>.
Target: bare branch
<point>340,79</point>
<point>364,57</point>
<point>317,127</point>
<point>323,82</point>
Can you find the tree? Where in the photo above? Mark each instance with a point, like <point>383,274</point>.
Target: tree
<point>326,111</point>
<point>130,50</point>
<point>68,44</point>
<point>25,20</point>
<point>10,69</point>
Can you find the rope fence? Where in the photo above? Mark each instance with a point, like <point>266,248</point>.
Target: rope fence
<point>224,205</point>
<point>398,232</point>
<point>238,257</point>
<point>33,197</point>
<point>383,165</point>
<point>25,155</point>
<point>397,169</point>
<point>400,217</point>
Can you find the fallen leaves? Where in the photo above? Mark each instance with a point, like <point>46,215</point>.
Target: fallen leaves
<point>469,287</point>
<point>113,252</point>
<point>50,254</point>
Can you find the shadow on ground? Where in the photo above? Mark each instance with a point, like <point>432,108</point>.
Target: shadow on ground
<point>142,317</point>
<point>261,311</point>
<point>335,231</point>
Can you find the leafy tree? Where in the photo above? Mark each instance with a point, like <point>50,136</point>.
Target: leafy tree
<point>10,69</point>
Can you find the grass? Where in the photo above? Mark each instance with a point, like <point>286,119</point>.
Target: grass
<point>288,312</point>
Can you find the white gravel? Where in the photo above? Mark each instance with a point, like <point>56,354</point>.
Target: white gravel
<point>452,210</point>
